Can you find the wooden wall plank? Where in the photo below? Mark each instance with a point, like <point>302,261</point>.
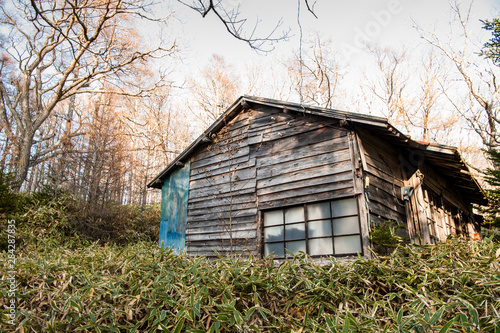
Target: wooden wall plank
<point>303,175</point>
<point>205,167</point>
<point>236,188</point>
<point>228,177</point>
<point>292,193</point>
<point>265,186</point>
<point>220,208</point>
<point>224,167</point>
<point>300,140</point>
<point>216,155</point>
<point>212,220</point>
<point>320,196</point>
<point>235,234</point>
<point>224,215</point>
<point>332,160</point>
<point>222,196</point>
<point>226,200</point>
<point>330,146</point>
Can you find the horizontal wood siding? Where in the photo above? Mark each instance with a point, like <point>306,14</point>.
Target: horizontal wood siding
<point>222,216</point>
<point>299,159</point>
<point>383,171</point>
<point>263,158</point>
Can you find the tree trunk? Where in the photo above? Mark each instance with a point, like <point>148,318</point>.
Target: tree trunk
<point>23,160</point>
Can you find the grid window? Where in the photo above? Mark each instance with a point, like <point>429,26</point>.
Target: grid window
<point>318,229</point>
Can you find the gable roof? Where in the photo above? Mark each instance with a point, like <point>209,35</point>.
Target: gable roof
<point>445,159</point>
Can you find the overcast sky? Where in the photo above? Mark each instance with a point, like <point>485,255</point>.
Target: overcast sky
<point>347,23</point>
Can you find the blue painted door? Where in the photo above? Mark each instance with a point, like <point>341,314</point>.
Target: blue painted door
<point>174,208</point>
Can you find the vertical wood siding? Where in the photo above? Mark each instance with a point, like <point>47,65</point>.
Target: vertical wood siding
<point>432,213</point>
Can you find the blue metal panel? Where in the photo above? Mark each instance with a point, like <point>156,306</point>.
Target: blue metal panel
<point>174,208</point>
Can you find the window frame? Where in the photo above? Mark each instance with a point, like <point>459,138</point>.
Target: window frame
<point>306,220</point>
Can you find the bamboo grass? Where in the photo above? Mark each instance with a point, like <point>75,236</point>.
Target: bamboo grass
<point>449,287</point>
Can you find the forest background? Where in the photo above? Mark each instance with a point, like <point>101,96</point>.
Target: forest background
<point>98,96</point>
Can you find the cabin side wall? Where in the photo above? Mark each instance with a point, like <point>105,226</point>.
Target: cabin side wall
<point>383,180</point>
<point>432,211</point>
<point>265,158</point>
<point>222,205</point>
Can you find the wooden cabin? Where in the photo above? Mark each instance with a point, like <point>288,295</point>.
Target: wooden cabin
<point>273,177</point>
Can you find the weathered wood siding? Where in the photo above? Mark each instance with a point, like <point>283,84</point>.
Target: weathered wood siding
<point>222,201</point>
<point>264,158</point>
<point>436,210</point>
<point>384,179</point>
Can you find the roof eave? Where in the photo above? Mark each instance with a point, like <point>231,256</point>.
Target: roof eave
<point>378,124</point>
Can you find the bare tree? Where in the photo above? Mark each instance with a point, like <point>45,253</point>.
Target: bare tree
<point>60,49</point>
<point>214,91</point>
<point>475,78</point>
<point>392,86</point>
<point>317,75</point>
<point>228,12</point>
<point>430,114</point>
<point>158,130</point>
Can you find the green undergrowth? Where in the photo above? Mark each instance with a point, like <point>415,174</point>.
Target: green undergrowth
<point>450,287</point>
<point>52,217</point>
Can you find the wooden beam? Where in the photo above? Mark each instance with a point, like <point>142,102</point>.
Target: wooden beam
<point>206,139</point>
<point>244,104</point>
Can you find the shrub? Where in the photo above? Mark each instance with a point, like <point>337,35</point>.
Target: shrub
<point>493,233</point>
<point>120,224</point>
<point>53,216</point>
<point>384,237</point>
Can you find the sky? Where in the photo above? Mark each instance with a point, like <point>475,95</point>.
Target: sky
<point>348,24</point>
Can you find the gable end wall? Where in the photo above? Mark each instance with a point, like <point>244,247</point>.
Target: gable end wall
<point>264,158</point>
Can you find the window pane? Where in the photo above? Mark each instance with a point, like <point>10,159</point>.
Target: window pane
<point>276,249</point>
<point>273,218</point>
<point>295,247</point>
<point>295,231</point>
<point>319,228</point>
<point>295,214</point>
<point>347,244</point>
<point>344,207</point>
<point>318,211</point>
<point>346,225</point>
<point>320,246</point>
<point>273,234</point>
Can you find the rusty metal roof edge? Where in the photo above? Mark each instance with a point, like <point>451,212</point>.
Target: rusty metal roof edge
<point>339,114</point>
<point>463,168</point>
